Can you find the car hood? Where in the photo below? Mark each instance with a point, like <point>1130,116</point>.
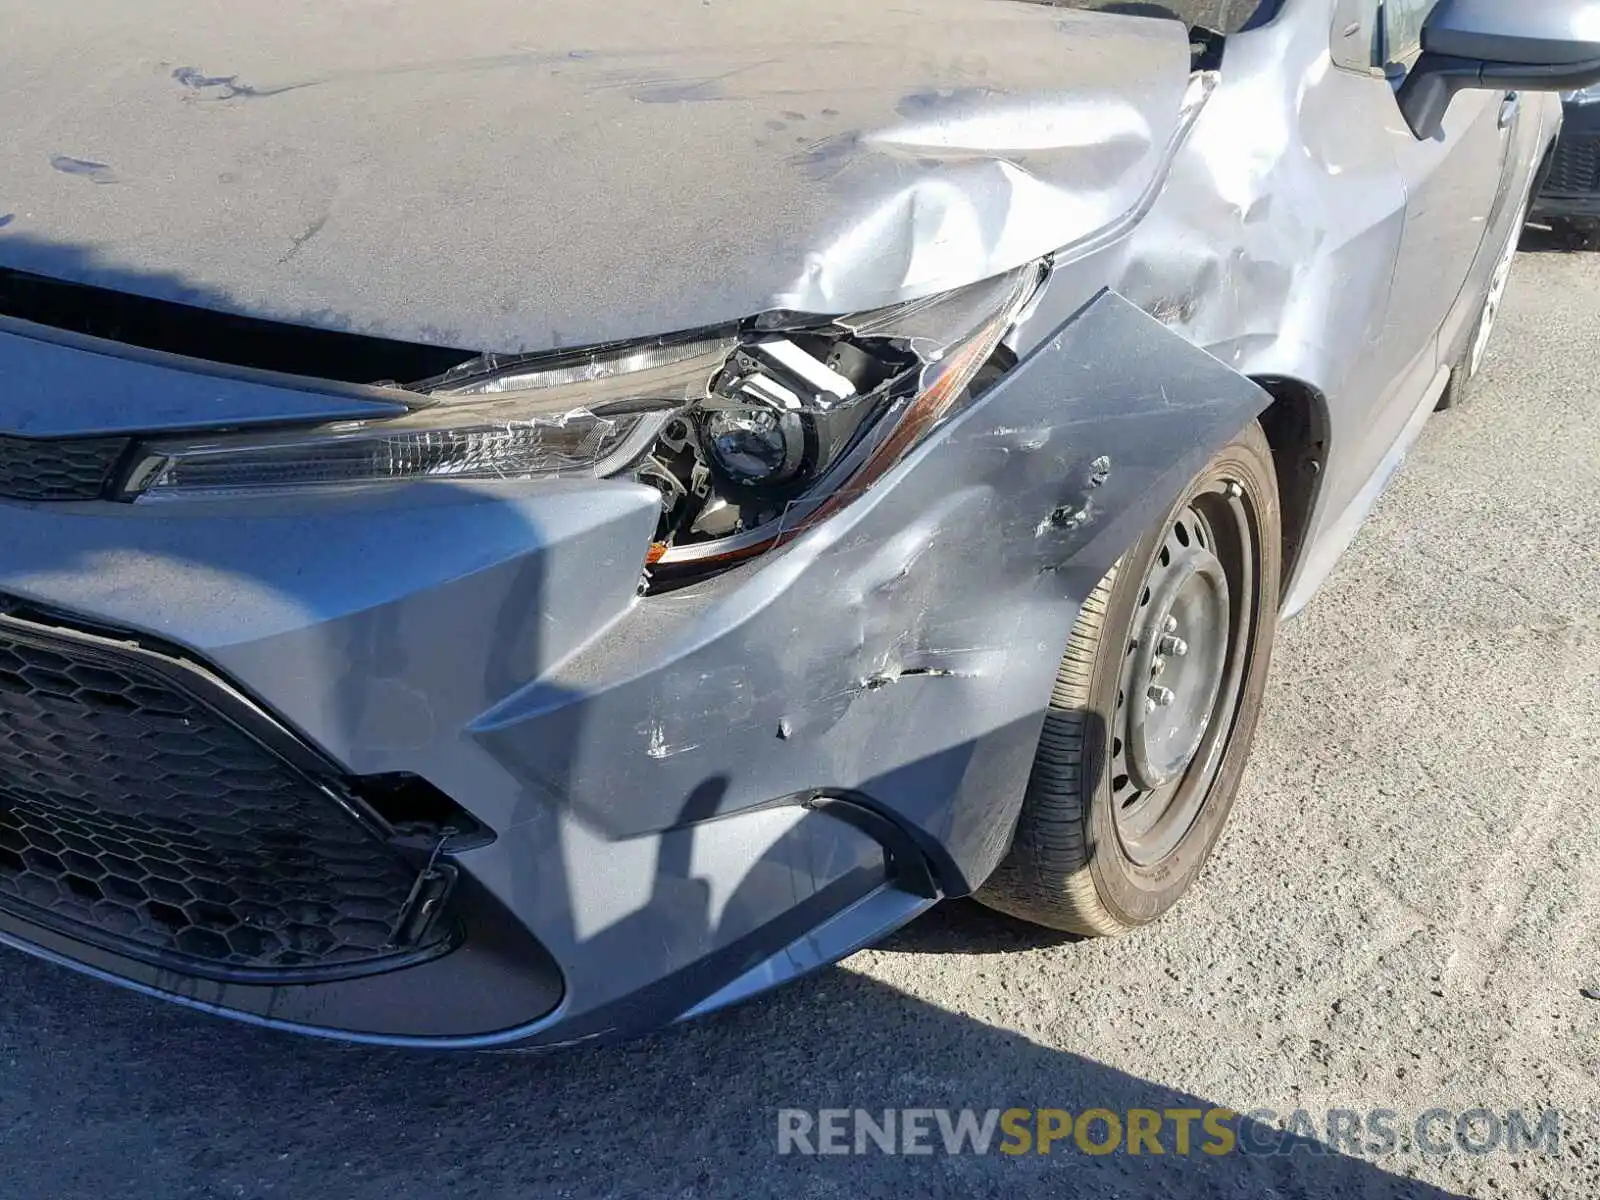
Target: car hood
<point>515,175</point>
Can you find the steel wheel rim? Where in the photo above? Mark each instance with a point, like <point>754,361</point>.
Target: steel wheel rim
<point>1491,303</point>
<point>1209,585</point>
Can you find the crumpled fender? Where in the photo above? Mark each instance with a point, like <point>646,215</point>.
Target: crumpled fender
<point>902,653</point>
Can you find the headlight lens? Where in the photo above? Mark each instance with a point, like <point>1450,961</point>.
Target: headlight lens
<point>586,417</point>
<point>755,446</point>
<point>581,443</point>
<point>749,434</point>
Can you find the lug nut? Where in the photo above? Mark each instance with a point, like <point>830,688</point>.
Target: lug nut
<point>1157,665</point>
<point>1174,646</point>
<point>1161,697</point>
<point>1172,624</point>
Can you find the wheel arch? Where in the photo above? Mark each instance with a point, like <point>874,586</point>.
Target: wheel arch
<point>1297,428</point>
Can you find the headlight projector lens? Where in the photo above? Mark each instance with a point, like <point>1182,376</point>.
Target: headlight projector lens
<point>754,446</point>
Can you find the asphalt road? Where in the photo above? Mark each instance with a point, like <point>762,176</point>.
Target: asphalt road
<point>1401,917</point>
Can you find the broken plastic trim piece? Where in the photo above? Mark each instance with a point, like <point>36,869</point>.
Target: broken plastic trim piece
<point>909,868</point>
<point>773,360</point>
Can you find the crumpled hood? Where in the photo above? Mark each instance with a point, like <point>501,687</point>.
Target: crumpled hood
<point>515,175</point>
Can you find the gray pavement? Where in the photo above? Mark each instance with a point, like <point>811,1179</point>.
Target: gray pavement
<point>1401,916</point>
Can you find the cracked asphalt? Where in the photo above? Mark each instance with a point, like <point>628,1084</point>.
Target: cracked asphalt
<point>1402,915</point>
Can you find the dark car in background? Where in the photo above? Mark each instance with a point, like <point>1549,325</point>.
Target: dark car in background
<point>1569,201</point>
<point>522,522</point>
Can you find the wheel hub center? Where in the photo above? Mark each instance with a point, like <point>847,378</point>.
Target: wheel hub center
<point>1176,668</point>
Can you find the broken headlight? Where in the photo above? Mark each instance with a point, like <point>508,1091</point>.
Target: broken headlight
<point>807,413</point>
<point>749,434</point>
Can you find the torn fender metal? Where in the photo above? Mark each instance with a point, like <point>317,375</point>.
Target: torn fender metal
<point>904,652</point>
<point>634,167</point>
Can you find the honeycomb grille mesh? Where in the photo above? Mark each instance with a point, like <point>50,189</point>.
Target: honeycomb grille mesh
<point>135,815</point>
<point>57,470</point>
<point>1576,168</point>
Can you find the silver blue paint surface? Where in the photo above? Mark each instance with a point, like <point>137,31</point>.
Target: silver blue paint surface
<point>517,177</point>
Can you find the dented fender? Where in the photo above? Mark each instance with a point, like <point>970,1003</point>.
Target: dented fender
<point>903,652</point>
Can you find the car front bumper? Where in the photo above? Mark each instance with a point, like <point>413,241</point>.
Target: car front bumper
<point>683,798</point>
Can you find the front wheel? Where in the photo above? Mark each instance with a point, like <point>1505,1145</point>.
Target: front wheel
<point>1153,711</point>
<point>1470,361</point>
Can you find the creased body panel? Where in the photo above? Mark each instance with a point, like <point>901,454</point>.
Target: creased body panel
<point>628,751</point>
<point>522,174</point>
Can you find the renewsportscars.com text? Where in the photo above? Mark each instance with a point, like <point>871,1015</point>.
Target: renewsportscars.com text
<point>1175,1131</point>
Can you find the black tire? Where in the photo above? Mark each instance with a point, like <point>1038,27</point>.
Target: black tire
<point>1464,370</point>
<point>1459,389</point>
<point>1581,234</point>
<point>1071,865</point>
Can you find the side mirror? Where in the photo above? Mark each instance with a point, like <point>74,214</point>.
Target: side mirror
<point>1496,45</point>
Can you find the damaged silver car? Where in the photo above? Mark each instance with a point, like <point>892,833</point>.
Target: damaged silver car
<point>530,521</point>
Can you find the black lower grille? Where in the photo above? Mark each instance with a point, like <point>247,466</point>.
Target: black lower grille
<point>1575,169</point>
<point>76,469</point>
<point>137,813</point>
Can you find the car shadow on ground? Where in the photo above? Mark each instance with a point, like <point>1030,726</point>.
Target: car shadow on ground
<point>967,927</point>
<point>110,1093</point>
<point>1542,239</point>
